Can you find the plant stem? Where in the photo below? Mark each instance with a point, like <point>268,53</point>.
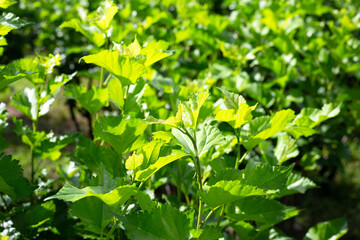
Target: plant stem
<point>238,148</point>
<point>32,160</point>
<point>211,212</point>
<point>242,159</point>
<point>198,173</point>
<point>101,77</point>
<point>112,229</point>
<point>220,217</point>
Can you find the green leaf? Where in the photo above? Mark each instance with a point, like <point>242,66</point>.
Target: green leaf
<point>224,192</point>
<point>51,146</point>
<point>26,102</point>
<point>93,212</point>
<point>93,156</point>
<point>93,33</point>
<point>285,148</point>
<point>208,137</point>
<point>12,182</point>
<point>126,69</point>
<point>123,135</point>
<point>8,22</point>
<point>184,140</point>
<point>333,229</point>
<point>116,93</point>
<point>6,3</point>
<point>165,222</point>
<point>132,50</point>
<point>311,117</point>
<point>298,131</point>
<point>154,52</point>
<point>143,175</point>
<point>277,124</point>
<point>40,214</point>
<point>118,196</point>
<point>134,161</point>
<point>207,233</point>
<point>265,176</point>
<point>11,73</point>
<point>145,201</point>
<point>104,15</point>
<point>191,109</point>
<point>259,209</point>
<point>244,230</point>
<point>237,113</point>
<point>94,99</point>
<point>296,184</point>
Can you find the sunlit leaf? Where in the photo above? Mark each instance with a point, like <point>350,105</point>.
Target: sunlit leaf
<point>333,229</point>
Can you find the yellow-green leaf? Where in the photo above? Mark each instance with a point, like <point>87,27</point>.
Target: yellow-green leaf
<point>134,161</point>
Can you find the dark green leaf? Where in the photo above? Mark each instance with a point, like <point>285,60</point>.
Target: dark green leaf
<point>333,229</point>
<point>164,222</point>
<point>12,181</point>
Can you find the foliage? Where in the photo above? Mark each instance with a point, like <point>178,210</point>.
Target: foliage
<point>249,97</point>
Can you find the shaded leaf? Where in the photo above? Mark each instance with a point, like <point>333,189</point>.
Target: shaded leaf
<point>259,209</point>
<point>165,222</point>
<point>265,176</point>
<point>93,212</point>
<point>12,182</point>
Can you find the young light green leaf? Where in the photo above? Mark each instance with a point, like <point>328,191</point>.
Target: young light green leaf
<point>118,196</point>
<point>154,52</point>
<point>6,3</point>
<point>265,176</point>
<point>116,93</point>
<point>224,192</point>
<point>191,109</point>
<point>123,135</point>
<point>104,15</point>
<point>12,182</point>
<point>164,222</point>
<point>134,161</point>
<point>277,124</point>
<point>333,229</point>
<point>126,69</point>
<point>238,112</point>
<point>143,175</point>
<point>132,50</point>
